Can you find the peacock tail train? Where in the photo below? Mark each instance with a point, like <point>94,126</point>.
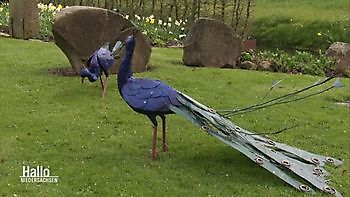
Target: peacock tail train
<point>280,159</point>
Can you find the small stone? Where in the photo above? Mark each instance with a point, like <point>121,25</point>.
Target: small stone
<point>248,65</point>
<point>264,65</point>
<point>340,51</point>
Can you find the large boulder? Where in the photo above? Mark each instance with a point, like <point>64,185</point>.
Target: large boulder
<point>80,30</point>
<point>341,52</point>
<point>211,43</point>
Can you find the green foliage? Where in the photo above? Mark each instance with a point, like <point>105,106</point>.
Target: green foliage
<point>100,147</point>
<point>300,62</point>
<point>4,14</point>
<point>46,15</point>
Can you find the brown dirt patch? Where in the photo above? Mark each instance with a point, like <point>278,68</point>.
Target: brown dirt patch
<point>63,71</point>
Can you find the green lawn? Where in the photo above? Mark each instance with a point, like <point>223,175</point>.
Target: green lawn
<point>301,24</point>
<point>99,146</point>
<point>304,10</point>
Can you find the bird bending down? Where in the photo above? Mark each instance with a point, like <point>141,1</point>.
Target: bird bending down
<point>100,62</point>
<point>154,98</point>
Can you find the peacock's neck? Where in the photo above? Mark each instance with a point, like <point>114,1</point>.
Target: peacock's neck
<point>125,71</point>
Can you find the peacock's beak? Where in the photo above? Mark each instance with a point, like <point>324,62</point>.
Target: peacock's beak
<point>117,48</point>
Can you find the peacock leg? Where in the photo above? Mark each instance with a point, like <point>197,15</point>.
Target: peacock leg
<point>153,119</point>
<point>165,145</point>
<point>154,143</point>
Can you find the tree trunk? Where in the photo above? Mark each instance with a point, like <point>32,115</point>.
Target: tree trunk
<point>223,4</point>
<point>131,10</point>
<point>153,6</point>
<point>246,21</point>
<point>161,8</point>
<point>171,9</point>
<point>198,8</point>
<point>237,15</point>
<point>233,13</point>
<point>184,15</point>
<point>193,12</point>
<point>176,10</point>
<point>214,8</point>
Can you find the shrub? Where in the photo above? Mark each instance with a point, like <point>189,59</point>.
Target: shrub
<point>46,15</point>
<point>301,62</point>
<point>4,14</point>
<point>161,32</point>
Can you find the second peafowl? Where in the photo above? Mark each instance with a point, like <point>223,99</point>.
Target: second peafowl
<point>301,169</point>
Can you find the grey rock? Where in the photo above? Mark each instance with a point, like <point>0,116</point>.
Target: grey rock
<point>211,43</point>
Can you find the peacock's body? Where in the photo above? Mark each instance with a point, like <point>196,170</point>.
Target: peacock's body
<point>154,98</point>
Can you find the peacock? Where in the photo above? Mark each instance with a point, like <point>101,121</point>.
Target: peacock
<point>154,98</point>
<point>100,62</point>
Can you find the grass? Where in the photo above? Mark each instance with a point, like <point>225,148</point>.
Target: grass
<point>100,147</point>
<point>304,10</point>
<point>296,24</point>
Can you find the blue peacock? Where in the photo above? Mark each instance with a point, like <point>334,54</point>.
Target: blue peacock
<point>153,98</point>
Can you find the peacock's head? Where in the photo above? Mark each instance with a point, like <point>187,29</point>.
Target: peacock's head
<point>130,43</point>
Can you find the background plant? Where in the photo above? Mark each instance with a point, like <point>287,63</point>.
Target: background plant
<point>4,14</point>
<point>46,15</point>
<point>300,62</point>
<point>236,13</point>
<point>161,32</point>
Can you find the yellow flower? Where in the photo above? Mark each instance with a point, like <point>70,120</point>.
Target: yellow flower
<point>59,7</point>
<point>7,13</point>
<point>52,7</point>
<point>1,9</point>
<point>319,34</point>
<point>151,21</point>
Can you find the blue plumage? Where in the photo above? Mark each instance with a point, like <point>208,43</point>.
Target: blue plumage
<point>101,60</point>
<point>149,96</point>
